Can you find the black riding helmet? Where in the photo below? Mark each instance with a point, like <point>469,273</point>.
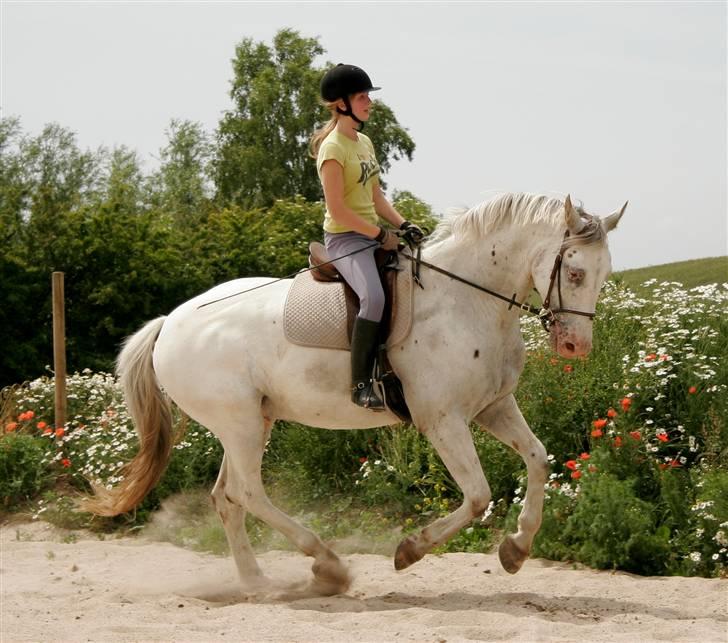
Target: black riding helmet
<point>341,82</point>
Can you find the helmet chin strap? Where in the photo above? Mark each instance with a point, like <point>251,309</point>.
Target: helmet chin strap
<point>349,112</point>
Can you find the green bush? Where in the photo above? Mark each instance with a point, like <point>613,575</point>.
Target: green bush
<point>23,474</point>
<point>323,460</point>
<point>611,528</point>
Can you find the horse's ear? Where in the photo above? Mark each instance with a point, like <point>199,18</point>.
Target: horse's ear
<point>612,220</point>
<point>573,220</point>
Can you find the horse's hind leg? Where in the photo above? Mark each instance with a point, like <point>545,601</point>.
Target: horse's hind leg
<point>232,515</point>
<point>244,447</point>
<point>505,421</point>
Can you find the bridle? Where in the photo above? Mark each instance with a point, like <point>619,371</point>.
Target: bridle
<point>545,314</point>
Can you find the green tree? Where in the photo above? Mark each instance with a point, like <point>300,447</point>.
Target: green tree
<point>43,180</point>
<point>125,184</point>
<point>272,241</point>
<point>415,210</point>
<point>181,187</point>
<point>262,142</point>
<point>14,184</point>
<point>124,263</point>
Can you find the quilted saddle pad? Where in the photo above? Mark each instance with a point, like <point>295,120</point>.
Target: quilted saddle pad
<point>315,311</point>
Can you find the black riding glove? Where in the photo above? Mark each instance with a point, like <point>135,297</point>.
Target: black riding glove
<point>412,233</point>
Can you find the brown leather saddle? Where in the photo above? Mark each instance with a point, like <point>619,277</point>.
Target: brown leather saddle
<point>322,269</point>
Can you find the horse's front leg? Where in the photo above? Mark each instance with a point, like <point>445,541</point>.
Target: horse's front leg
<point>452,439</point>
<point>505,421</point>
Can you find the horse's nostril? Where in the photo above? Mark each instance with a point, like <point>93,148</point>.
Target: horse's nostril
<point>569,347</point>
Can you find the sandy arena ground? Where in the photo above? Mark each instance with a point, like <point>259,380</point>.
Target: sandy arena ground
<point>140,590</point>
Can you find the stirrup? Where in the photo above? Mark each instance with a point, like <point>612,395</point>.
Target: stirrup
<point>363,394</point>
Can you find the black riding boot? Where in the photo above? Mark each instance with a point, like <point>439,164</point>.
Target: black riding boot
<point>364,339</point>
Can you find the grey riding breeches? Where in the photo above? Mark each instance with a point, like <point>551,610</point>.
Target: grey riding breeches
<point>359,270</point>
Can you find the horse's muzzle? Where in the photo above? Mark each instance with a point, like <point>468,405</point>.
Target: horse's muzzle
<point>567,342</point>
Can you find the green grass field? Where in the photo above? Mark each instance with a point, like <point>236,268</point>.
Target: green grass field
<point>696,272</point>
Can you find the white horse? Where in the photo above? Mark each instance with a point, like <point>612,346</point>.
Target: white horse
<point>229,366</point>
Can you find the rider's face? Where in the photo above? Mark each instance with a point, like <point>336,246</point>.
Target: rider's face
<point>360,104</point>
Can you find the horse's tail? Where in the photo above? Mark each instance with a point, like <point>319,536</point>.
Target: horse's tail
<point>151,412</point>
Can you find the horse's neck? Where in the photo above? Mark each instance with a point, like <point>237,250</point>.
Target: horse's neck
<point>500,261</point>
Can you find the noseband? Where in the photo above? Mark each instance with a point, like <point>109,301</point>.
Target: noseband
<point>547,315</point>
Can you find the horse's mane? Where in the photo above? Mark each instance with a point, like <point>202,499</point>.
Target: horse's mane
<point>516,208</point>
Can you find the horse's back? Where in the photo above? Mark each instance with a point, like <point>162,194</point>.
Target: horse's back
<point>215,331</point>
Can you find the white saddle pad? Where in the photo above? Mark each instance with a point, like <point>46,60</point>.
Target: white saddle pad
<point>315,312</point>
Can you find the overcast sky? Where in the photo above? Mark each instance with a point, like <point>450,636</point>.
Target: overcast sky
<point>607,101</point>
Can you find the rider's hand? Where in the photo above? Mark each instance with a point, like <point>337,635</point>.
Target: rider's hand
<point>388,239</point>
<point>412,232</point>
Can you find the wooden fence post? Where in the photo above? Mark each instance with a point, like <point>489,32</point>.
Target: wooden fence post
<point>59,348</point>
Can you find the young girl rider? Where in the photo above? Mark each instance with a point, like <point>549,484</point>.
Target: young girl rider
<point>349,173</point>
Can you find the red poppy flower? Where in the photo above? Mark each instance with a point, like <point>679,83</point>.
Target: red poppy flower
<point>60,432</point>
<point>662,437</point>
<point>570,464</point>
<point>651,357</point>
<point>576,475</point>
<point>600,423</point>
<point>48,431</point>
<point>611,413</point>
<point>664,357</point>
<point>568,368</point>
<point>363,460</point>
<point>553,361</point>
<point>597,433</point>
<point>675,463</point>
<point>626,403</point>
<point>692,390</point>
<point>66,463</point>
<point>618,441</point>
<point>41,425</point>
<point>584,456</point>
<point>10,427</point>
<point>636,435</point>
<point>663,465</point>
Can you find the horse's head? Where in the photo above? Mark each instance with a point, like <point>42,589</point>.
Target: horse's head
<point>570,287</point>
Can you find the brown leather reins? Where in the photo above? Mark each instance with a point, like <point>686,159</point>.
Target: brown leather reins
<point>546,315</point>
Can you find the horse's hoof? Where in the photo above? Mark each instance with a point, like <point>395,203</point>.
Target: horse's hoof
<point>406,554</point>
<point>331,577</point>
<point>511,555</point>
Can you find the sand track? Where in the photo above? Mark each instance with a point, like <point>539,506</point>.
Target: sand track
<point>139,590</point>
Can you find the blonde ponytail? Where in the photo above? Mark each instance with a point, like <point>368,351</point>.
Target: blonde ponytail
<point>320,134</point>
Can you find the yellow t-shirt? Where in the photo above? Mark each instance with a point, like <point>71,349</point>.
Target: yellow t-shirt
<point>361,173</point>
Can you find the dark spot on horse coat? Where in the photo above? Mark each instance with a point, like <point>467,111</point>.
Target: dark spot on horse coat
<point>476,354</point>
